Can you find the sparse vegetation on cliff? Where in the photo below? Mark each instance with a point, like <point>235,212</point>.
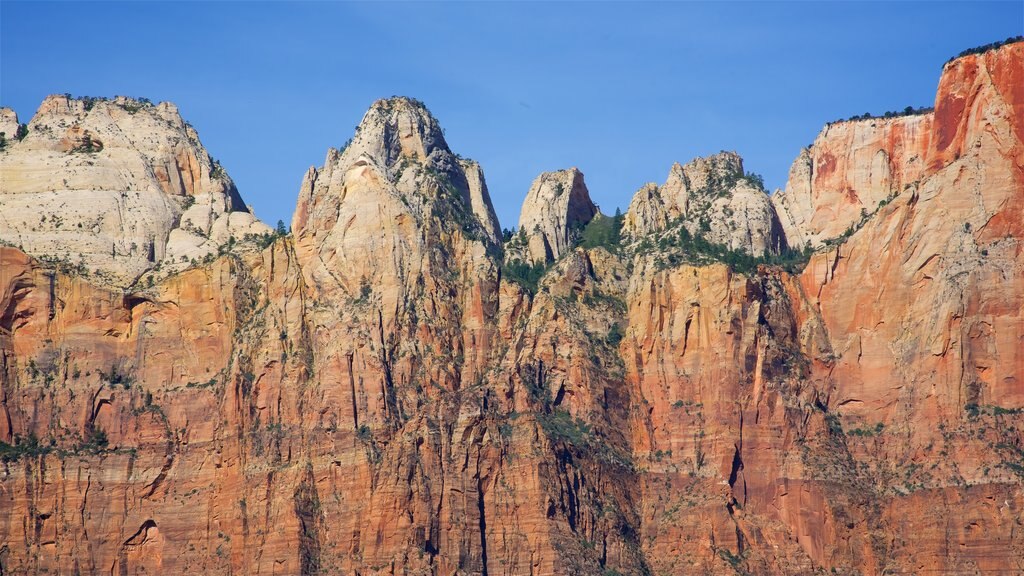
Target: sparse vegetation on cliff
<point>117,378</point>
<point>23,447</point>
<point>526,274</point>
<point>603,231</point>
<point>265,240</point>
<point>87,145</point>
<point>90,101</point>
<point>64,265</point>
<point>986,47</point>
<point>908,111</point>
<point>679,246</point>
<point>216,170</point>
<point>133,105</point>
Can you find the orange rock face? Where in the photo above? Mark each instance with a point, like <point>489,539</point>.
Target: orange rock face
<point>376,394</point>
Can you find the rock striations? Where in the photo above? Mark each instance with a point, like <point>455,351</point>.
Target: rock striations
<point>378,393</point>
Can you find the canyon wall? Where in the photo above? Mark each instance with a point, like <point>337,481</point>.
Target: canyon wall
<point>378,393</point>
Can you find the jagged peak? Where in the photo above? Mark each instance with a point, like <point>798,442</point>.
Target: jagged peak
<point>711,176</point>
<point>711,196</point>
<point>398,128</point>
<point>396,168</point>
<point>697,170</point>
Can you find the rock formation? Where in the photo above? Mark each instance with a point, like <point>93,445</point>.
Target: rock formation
<point>557,206</point>
<point>8,124</point>
<point>712,197</point>
<point>852,169</point>
<point>116,187</point>
<point>372,395</point>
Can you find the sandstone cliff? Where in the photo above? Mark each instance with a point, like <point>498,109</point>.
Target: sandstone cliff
<point>852,169</point>
<point>115,187</point>
<point>371,395</point>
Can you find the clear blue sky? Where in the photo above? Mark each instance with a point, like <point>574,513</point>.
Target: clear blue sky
<point>619,90</point>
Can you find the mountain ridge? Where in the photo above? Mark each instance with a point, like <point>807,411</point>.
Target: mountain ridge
<point>373,393</point>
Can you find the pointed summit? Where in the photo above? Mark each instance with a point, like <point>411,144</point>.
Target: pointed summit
<point>398,128</point>
<point>379,208</point>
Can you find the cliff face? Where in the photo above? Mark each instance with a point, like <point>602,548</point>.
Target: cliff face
<point>370,395</point>
<point>854,168</point>
<point>557,204</point>
<point>115,187</point>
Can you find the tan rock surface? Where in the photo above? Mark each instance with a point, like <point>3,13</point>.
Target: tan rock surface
<point>711,197</point>
<point>8,123</point>
<point>851,167</point>
<point>557,205</point>
<point>116,186</point>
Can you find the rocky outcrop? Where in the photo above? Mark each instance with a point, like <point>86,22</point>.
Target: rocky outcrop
<point>556,208</point>
<point>116,187</point>
<point>712,197</point>
<point>371,395</point>
<point>854,168</point>
<point>8,124</point>
<point>851,169</point>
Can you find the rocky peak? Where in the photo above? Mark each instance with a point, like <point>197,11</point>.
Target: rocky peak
<point>145,191</point>
<point>377,209</point>
<point>712,197</point>
<point>711,175</point>
<point>557,204</point>
<point>396,129</point>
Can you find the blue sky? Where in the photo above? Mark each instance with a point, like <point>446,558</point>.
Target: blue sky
<point>620,90</point>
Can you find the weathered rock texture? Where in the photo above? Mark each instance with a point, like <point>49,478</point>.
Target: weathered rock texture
<point>116,186</point>
<point>557,206</point>
<point>8,123</point>
<point>366,396</point>
<point>712,197</point>
<point>851,168</point>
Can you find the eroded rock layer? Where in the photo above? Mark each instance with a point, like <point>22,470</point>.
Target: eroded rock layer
<point>370,395</point>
